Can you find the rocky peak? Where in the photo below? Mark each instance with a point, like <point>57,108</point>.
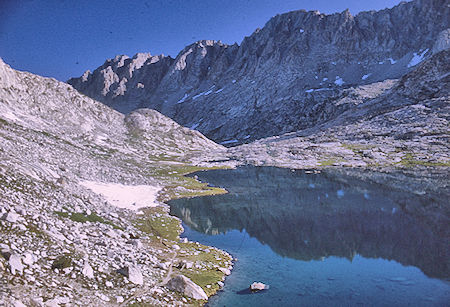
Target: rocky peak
<point>7,77</point>
<point>121,76</point>
<point>442,41</point>
<point>276,79</point>
<point>119,60</point>
<point>194,64</point>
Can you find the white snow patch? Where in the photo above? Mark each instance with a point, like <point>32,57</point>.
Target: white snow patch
<point>302,31</point>
<point>324,79</point>
<point>339,81</point>
<point>209,91</point>
<point>218,91</point>
<point>183,99</point>
<point>229,142</point>
<point>247,137</point>
<point>366,76</point>
<point>125,196</point>
<point>392,61</point>
<point>380,63</point>
<point>194,126</point>
<point>196,96</point>
<point>317,90</point>
<point>233,81</point>
<point>334,63</point>
<point>417,58</point>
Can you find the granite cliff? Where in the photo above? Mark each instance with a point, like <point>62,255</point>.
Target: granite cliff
<point>282,78</point>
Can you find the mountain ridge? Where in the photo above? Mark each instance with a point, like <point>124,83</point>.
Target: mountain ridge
<point>269,84</point>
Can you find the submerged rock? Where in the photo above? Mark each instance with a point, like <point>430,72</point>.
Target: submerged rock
<point>186,286</point>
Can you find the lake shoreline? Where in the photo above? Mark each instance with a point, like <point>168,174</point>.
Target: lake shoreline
<point>384,177</point>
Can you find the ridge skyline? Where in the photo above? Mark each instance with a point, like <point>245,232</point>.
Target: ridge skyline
<point>74,47</point>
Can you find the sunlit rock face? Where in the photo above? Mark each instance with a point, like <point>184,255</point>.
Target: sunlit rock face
<point>282,78</point>
<point>309,216</point>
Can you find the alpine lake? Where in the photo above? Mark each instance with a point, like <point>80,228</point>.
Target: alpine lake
<point>323,238</point>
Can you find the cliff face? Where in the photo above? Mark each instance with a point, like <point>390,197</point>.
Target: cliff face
<point>273,82</point>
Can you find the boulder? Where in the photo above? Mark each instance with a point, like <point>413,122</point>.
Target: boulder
<point>225,271</point>
<point>17,303</point>
<point>5,251</point>
<point>29,258</point>
<point>258,286</point>
<point>87,270</point>
<point>15,264</point>
<point>10,217</point>
<point>133,273</point>
<point>187,287</point>
<point>135,242</point>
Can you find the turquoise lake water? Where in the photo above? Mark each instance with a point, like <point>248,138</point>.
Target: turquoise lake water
<point>327,239</point>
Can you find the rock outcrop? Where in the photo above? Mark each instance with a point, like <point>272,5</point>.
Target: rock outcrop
<point>282,78</point>
<point>133,273</point>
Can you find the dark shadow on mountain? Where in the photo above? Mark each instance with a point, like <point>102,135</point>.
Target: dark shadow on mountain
<point>306,216</point>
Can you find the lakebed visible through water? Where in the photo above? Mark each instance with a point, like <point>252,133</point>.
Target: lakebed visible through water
<point>323,239</point>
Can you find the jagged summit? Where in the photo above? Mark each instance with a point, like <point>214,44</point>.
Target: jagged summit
<point>274,81</point>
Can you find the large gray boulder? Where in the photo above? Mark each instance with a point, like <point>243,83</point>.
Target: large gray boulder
<point>186,286</point>
<point>10,217</point>
<point>15,264</point>
<point>133,273</point>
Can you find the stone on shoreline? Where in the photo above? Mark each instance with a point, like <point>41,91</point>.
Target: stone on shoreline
<point>186,286</point>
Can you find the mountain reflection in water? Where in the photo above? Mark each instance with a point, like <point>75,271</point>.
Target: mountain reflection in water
<point>308,216</point>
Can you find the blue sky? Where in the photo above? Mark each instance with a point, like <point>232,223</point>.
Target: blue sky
<point>63,38</point>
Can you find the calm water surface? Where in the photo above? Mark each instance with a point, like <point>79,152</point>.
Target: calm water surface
<point>325,239</point>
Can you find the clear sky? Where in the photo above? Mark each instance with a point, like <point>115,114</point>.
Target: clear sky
<point>63,38</point>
